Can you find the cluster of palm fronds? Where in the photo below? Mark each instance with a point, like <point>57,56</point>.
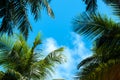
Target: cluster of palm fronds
<point>18,59</point>
<point>105,62</point>
<point>21,62</point>
<point>14,14</point>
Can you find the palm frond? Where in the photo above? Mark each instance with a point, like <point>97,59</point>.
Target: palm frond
<point>15,16</point>
<point>116,9</point>
<point>20,18</point>
<point>108,47</point>
<point>6,43</point>
<point>115,4</point>
<point>91,5</point>
<point>6,26</point>
<point>87,61</point>
<point>49,10</point>
<point>43,68</point>
<point>22,58</point>
<point>22,43</point>
<point>12,75</point>
<point>93,26</point>
<point>35,8</point>
<point>86,71</point>
<point>36,42</point>
<point>105,32</point>
<point>37,5</point>
<point>1,75</point>
<point>56,56</point>
<point>103,71</point>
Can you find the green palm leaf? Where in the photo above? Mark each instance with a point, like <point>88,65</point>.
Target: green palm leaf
<point>106,35</point>
<point>46,65</point>
<point>12,75</point>
<point>115,4</point>
<point>25,60</point>
<point>91,5</point>
<point>87,61</point>
<point>14,14</point>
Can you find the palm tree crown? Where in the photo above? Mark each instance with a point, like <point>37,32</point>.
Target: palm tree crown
<point>106,57</point>
<point>23,62</point>
<point>14,14</point>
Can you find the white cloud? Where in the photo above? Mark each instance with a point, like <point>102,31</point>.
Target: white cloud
<point>49,45</point>
<point>64,70</point>
<point>74,56</point>
<point>79,46</point>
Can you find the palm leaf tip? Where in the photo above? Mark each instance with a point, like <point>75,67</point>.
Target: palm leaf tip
<point>60,49</point>
<point>91,5</point>
<point>50,12</point>
<point>85,61</point>
<point>56,56</point>
<point>37,41</point>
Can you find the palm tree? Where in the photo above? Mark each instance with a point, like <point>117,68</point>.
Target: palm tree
<point>21,61</point>
<point>14,14</point>
<point>106,35</point>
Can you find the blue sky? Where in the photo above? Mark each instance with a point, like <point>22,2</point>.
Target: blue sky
<point>60,27</point>
<point>58,32</point>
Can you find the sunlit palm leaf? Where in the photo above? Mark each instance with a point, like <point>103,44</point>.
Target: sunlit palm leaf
<point>47,64</point>
<point>36,42</point>
<point>22,58</point>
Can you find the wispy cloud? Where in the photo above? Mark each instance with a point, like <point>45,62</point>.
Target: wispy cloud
<point>49,45</point>
<point>74,56</point>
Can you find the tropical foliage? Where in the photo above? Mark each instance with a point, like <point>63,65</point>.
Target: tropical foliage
<point>1,75</point>
<point>14,14</point>
<point>92,5</point>
<point>22,62</point>
<point>106,51</point>
<point>105,62</point>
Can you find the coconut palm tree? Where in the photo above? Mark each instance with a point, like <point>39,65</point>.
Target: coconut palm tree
<point>20,61</point>
<point>14,14</point>
<point>106,35</point>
